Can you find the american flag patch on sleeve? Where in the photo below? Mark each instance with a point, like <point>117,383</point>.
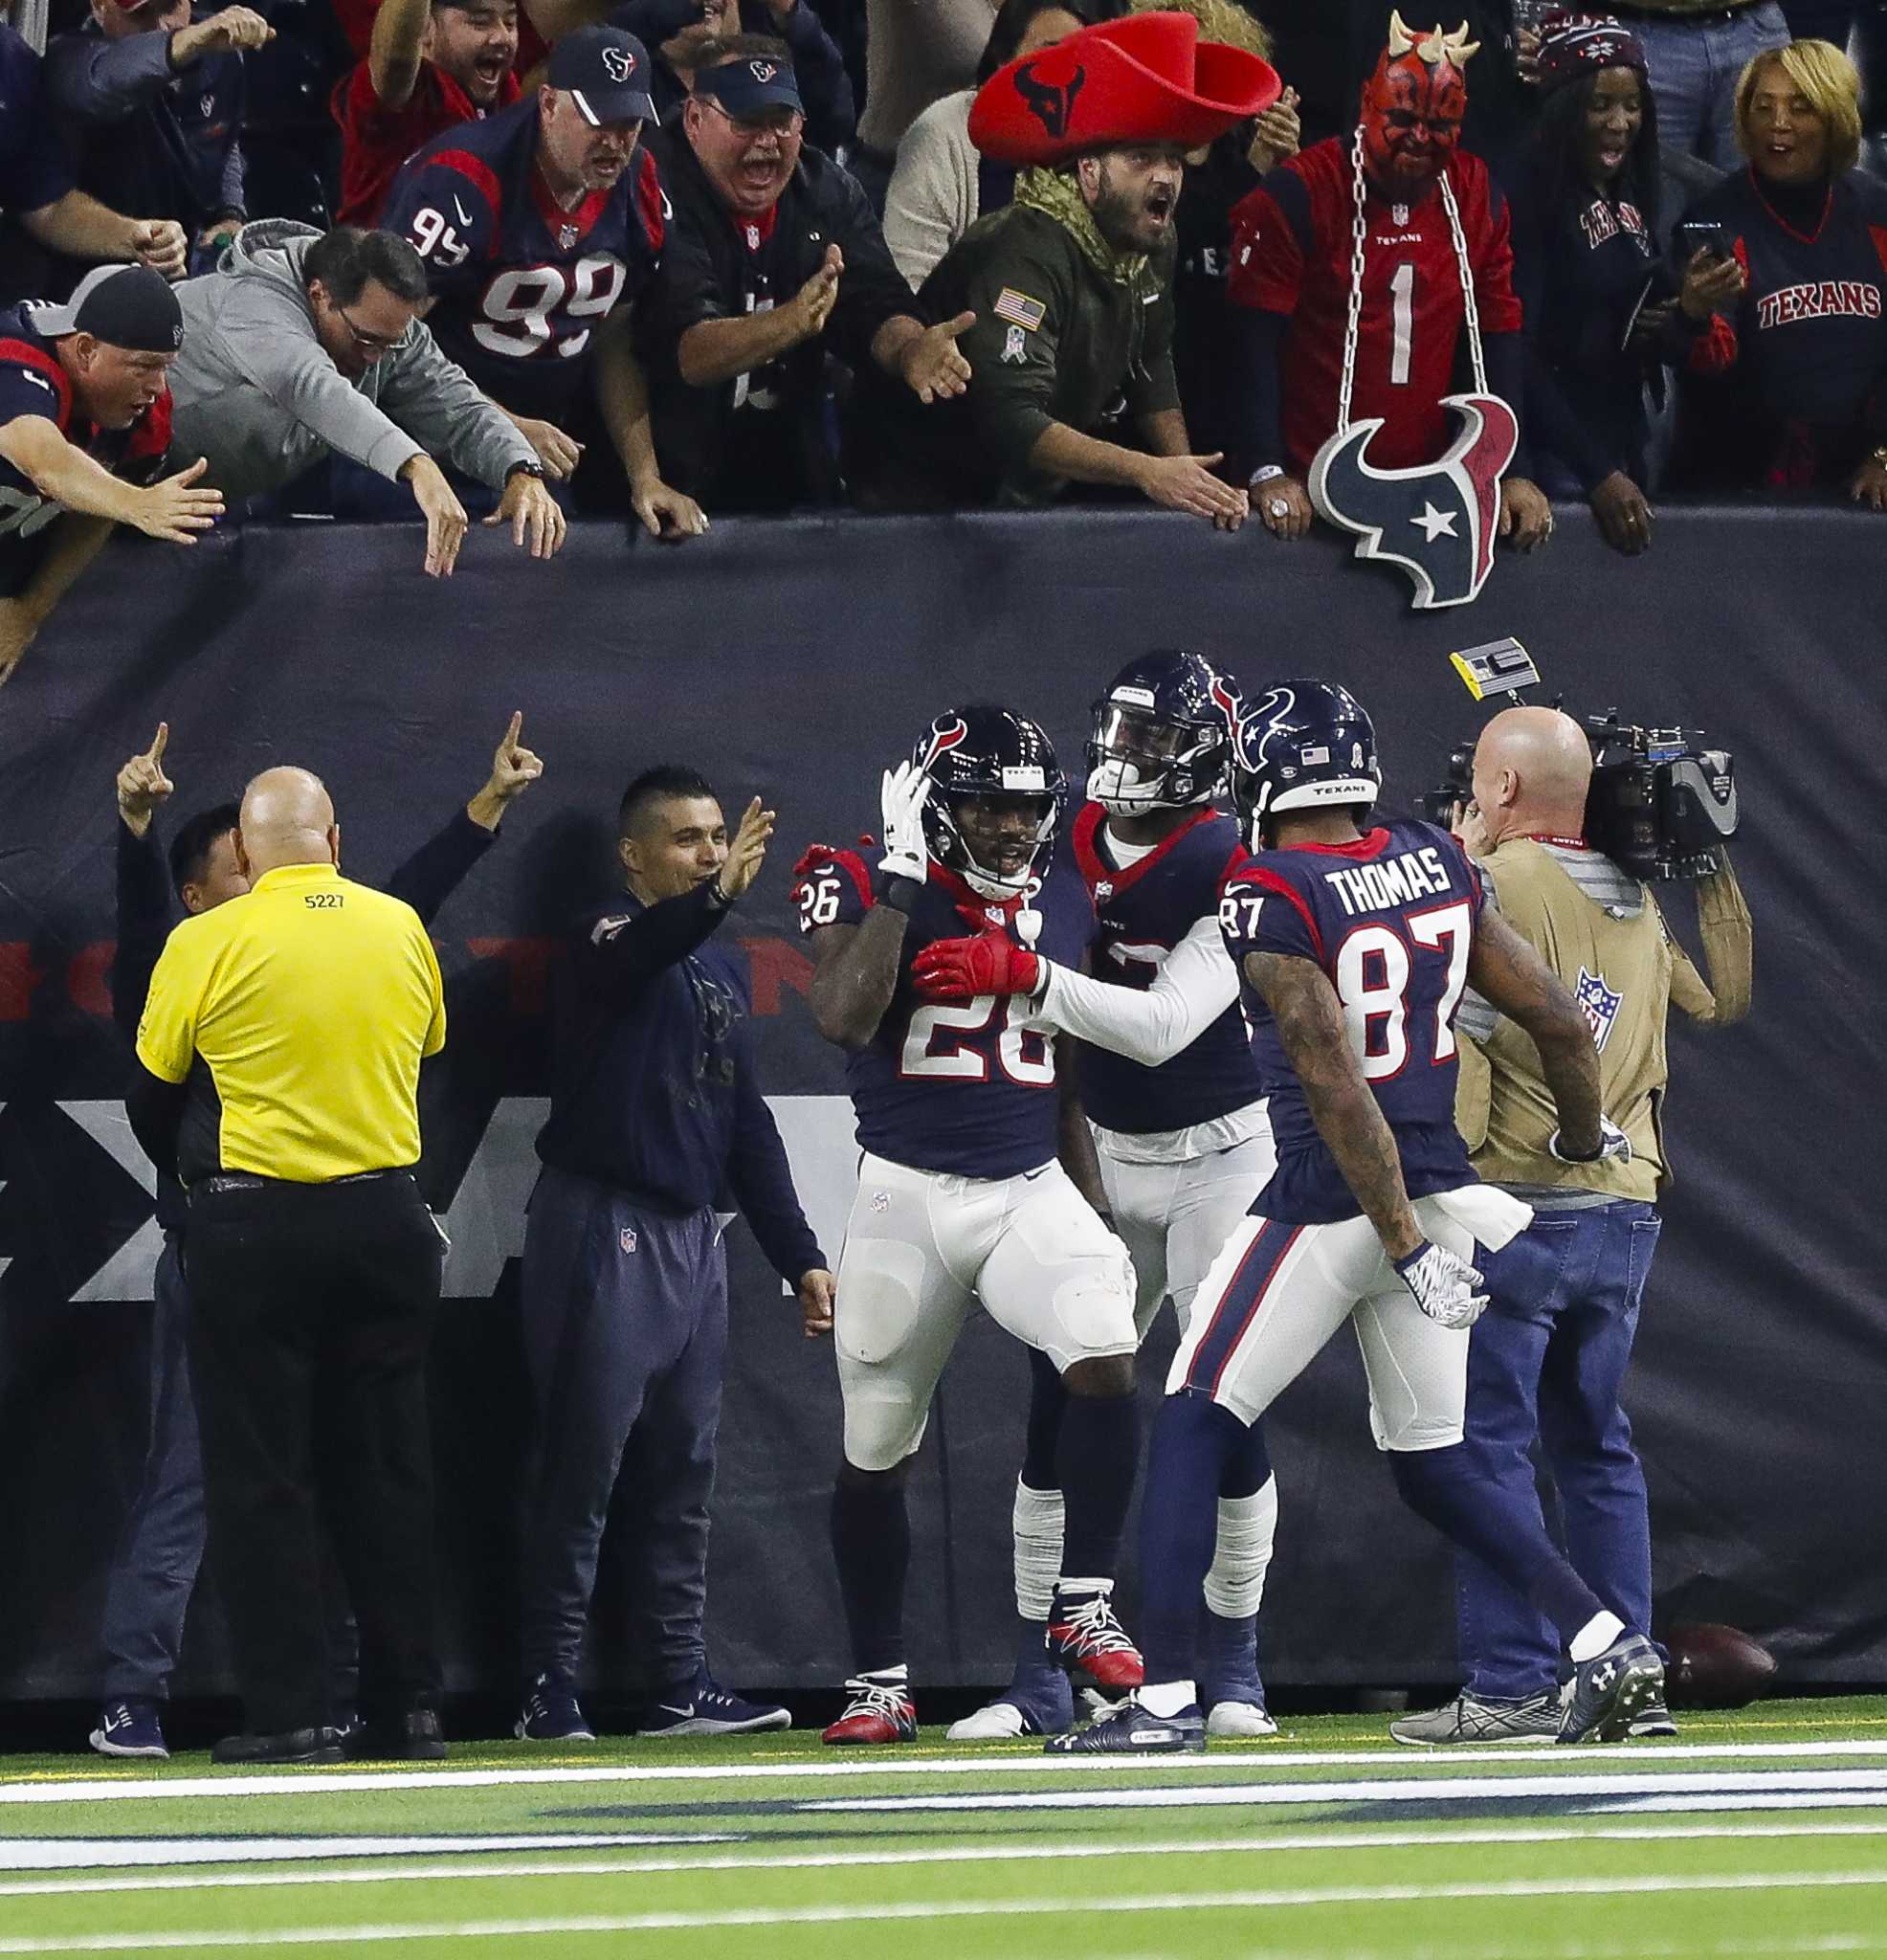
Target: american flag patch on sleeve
<point>1021,308</point>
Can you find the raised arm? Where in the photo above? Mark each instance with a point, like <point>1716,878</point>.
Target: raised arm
<point>1728,953</point>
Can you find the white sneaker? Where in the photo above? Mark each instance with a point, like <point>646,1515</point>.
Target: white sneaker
<point>995,1722</point>
<point>1244,1719</point>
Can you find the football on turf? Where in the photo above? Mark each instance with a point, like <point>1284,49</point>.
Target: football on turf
<point>1715,1666</point>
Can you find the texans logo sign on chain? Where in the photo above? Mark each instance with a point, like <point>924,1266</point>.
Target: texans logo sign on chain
<point>1437,521</point>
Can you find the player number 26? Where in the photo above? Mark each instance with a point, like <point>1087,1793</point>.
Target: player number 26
<point>519,302</point>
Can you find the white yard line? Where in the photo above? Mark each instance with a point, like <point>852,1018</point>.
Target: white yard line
<point>109,1789</point>
<point>1834,1786</point>
<point>853,1913</point>
<point>485,1859</point>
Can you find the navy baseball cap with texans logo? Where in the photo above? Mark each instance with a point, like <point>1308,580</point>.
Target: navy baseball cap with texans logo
<point>606,73</point>
<point>125,305</point>
<point>753,81</point>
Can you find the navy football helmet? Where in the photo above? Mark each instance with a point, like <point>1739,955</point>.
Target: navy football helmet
<point>1162,734</point>
<point>991,756</point>
<point>1301,744</point>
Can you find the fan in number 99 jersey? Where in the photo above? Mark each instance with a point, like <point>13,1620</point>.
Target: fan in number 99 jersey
<point>534,226</point>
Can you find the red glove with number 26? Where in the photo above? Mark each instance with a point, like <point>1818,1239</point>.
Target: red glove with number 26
<point>962,969</point>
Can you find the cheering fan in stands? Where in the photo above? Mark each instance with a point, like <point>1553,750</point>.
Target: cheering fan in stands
<point>433,64</point>
<point>1400,212</point>
<point>1781,324</point>
<point>85,439</point>
<point>1068,292</point>
<point>1584,256</point>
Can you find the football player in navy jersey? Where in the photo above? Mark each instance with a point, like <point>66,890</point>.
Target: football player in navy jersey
<point>1354,949</point>
<point>540,228</point>
<point>1171,1086</point>
<point>84,438</point>
<point>977,1182</point>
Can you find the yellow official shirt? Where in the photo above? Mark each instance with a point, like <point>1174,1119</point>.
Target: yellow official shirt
<point>312,1001</point>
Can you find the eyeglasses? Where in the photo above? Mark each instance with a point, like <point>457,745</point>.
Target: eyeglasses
<point>368,343</point>
<point>790,123</point>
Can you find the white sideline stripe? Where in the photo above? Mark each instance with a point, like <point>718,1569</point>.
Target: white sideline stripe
<point>1837,1786</point>
<point>106,1787</point>
<point>949,1909</point>
<point>94,1854</point>
<point>487,1866</point>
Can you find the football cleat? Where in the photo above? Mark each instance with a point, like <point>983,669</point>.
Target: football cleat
<point>552,1713</point>
<point>707,1709</point>
<point>877,1710</point>
<point>1126,1728</point>
<point>1653,1719</point>
<point>1238,1720</point>
<point>1470,1718</point>
<point>1611,1690</point>
<point>129,1728</point>
<point>1084,1638</point>
<point>1038,1702</point>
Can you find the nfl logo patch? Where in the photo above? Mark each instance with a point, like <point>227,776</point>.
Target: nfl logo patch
<point>567,236</point>
<point>1600,1005</point>
<point>629,1238</point>
<point>881,1201</point>
<point>1103,888</point>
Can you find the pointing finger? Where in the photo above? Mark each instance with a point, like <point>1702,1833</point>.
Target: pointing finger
<point>156,750</point>
<point>516,728</point>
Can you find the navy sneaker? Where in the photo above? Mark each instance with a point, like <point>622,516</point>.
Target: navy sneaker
<point>1126,1728</point>
<point>1039,1701</point>
<point>129,1728</point>
<point>708,1709</point>
<point>1611,1690</point>
<point>552,1713</point>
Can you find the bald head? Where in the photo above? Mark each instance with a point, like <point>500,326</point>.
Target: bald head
<point>1532,770</point>
<point>287,818</point>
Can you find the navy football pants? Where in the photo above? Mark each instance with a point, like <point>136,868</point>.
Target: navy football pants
<point>625,1311</point>
<point>1552,1369</point>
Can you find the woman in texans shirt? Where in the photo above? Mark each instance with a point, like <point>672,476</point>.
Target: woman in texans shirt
<point>1786,367</point>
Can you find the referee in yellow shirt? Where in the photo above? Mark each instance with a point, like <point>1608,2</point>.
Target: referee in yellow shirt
<point>280,1056</point>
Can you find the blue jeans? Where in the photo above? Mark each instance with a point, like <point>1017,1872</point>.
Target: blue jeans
<point>154,1566</point>
<point>1694,70</point>
<point>1547,1361</point>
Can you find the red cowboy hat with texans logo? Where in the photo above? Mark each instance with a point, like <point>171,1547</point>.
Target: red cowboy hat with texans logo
<point>1145,78</point>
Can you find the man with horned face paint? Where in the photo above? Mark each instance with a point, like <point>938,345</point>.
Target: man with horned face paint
<point>1293,261</point>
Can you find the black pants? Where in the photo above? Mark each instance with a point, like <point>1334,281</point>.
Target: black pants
<point>311,1307</point>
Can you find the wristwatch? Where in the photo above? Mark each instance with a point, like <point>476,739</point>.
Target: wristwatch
<point>533,468</point>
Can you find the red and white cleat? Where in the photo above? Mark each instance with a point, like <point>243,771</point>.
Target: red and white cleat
<point>878,1709</point>
<point>1085,1637</point>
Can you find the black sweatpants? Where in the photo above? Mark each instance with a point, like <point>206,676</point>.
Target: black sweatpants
<point>311,1309</point>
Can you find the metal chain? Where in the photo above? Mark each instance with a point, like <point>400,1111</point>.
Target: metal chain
<point>1472,310</point>
<point>1359,238</point>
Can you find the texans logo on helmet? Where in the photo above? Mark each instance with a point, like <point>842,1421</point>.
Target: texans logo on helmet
<point>1437,521</point>
<point>945,735</point>
<point>1052,101</point>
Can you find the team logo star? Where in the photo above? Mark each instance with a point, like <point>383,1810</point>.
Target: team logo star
<point>1435,523</point>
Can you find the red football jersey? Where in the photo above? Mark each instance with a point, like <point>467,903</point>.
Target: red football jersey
<point>375,141</point>
<point>1291,250</point>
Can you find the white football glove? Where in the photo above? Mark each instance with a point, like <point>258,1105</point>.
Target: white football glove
<point>900,802</point>
<point>1443,1285</point>
<point>1615,1146</point>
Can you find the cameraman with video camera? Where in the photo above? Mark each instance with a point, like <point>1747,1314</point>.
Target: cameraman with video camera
<point>1548,1358</point>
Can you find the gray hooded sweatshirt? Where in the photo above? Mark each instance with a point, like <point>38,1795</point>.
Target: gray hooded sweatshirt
<point>256,394</point>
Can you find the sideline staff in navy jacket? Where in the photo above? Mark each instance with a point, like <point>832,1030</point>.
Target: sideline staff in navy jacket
<point>654,1110</point>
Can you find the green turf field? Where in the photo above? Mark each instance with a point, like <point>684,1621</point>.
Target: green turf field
<point>1762,1832</point>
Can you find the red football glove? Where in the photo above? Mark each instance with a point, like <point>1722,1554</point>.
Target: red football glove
<point>962,969</point>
